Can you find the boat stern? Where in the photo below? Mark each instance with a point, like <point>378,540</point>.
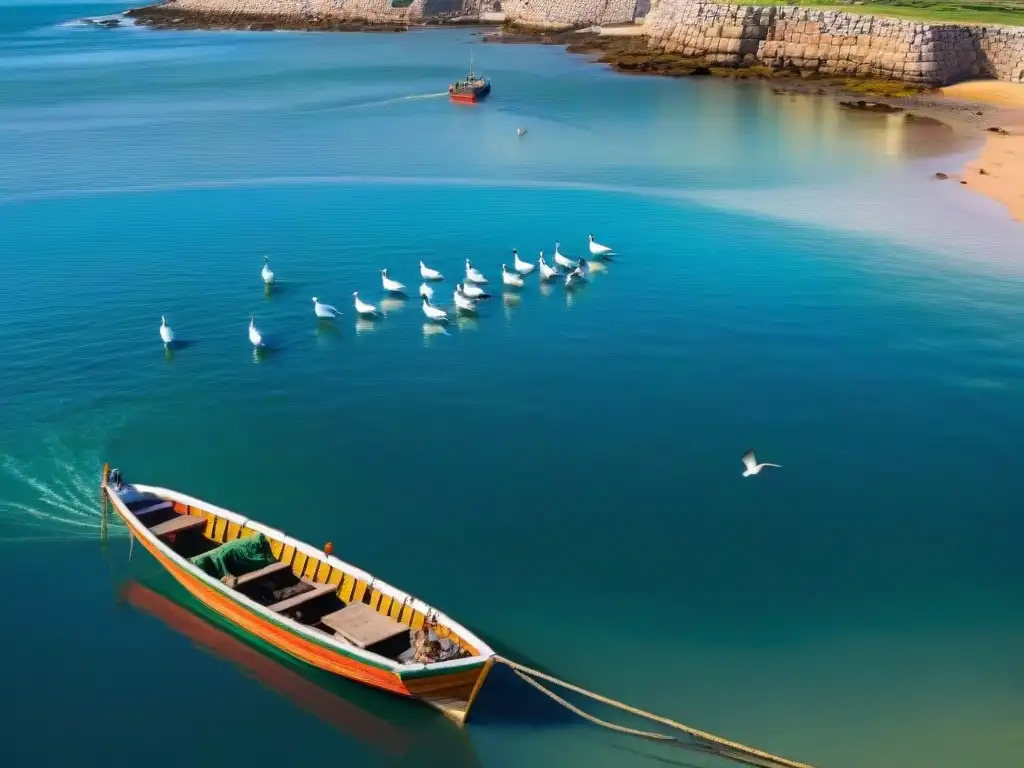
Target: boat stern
<point>467,93</point>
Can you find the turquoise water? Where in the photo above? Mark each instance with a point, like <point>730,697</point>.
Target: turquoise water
<point>561,473</point>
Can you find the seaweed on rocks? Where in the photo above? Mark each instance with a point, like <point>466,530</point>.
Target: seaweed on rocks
<point>166,17</point>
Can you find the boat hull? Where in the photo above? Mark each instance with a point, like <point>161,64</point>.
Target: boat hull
<point>451,690</point>
<point>470,96</point>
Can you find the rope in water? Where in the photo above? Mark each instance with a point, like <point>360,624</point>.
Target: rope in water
<point>729,749</point>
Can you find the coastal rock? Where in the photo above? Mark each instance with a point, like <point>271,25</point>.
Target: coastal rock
<point>924,120</point>
<point>870,106</point>
<point>108,23</point>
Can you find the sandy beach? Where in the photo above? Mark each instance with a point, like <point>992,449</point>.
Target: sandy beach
<point>999,171</point>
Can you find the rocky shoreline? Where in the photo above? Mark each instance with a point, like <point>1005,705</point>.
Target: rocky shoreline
<point>163,17</point>
<point>626,54</point>
<point>631,55</point>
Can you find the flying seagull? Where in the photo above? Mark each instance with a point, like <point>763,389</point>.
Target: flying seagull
<point>752,467</point>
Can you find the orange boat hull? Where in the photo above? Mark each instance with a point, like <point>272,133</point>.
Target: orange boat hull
<point>469,95</point>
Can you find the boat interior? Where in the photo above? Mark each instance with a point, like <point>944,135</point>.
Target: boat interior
<point>290,582</point>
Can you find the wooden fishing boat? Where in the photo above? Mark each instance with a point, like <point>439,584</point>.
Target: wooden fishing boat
<point>303,600</point>
<point>470,89</point>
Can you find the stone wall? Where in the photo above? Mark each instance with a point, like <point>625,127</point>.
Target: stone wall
<point>838,43</point>
<point>372,11</point>
<point>557,14</point>
<point>568,13</point>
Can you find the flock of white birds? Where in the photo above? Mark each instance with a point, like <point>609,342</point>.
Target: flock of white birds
<point>467,295</point>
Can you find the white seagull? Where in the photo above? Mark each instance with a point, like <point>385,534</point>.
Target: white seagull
<point>254,335</point>
<point>561,260</point>
<point>433,313</point>
<point>574,277</point>
<point>510,278</point>
<point>471,291</point>
<point>166,334</point>
<point>546,270</point>
<point>390,285</point>
<point>325,310</point>
<point>522,267</point>
<point>597,249</point>
<point>474,275</point>
<point>429,274</point>
<point>362,307</point>
<point>426,292</point>
<point>752,467</point>
<point>463,303</point>
<point>265,273</point>
<point>520,131</point>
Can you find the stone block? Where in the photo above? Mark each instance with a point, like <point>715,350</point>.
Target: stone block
<point>749,47</point>
<point>843,41</point>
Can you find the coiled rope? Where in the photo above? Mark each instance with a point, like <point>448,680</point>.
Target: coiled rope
<point>706,741</point>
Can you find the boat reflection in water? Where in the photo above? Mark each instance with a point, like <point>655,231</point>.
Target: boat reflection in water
<point>426,735</point>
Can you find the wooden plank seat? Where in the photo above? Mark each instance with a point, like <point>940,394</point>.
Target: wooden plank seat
<point>177,525</point>
<point>142,501</point>
<point>318,590</point>
<point>262,573</point>
<point>153,506</point>
<point>362,626</point>
<point>154,514</point>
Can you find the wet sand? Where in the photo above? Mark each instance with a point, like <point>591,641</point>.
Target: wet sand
<point>998,172</point>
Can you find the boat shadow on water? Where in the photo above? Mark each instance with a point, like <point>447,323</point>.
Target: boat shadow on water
<point>407,735</point>
<point>507,700</point>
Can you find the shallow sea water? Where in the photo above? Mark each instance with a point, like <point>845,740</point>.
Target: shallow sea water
<point>562,472</point>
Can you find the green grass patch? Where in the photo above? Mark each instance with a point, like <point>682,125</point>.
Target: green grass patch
<point>893,89</point>
<point>998,12</point>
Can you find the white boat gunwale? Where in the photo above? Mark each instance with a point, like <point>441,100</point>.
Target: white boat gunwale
<point>484,651</point>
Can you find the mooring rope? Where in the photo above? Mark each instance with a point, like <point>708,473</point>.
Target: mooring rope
<point>728,749</point>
